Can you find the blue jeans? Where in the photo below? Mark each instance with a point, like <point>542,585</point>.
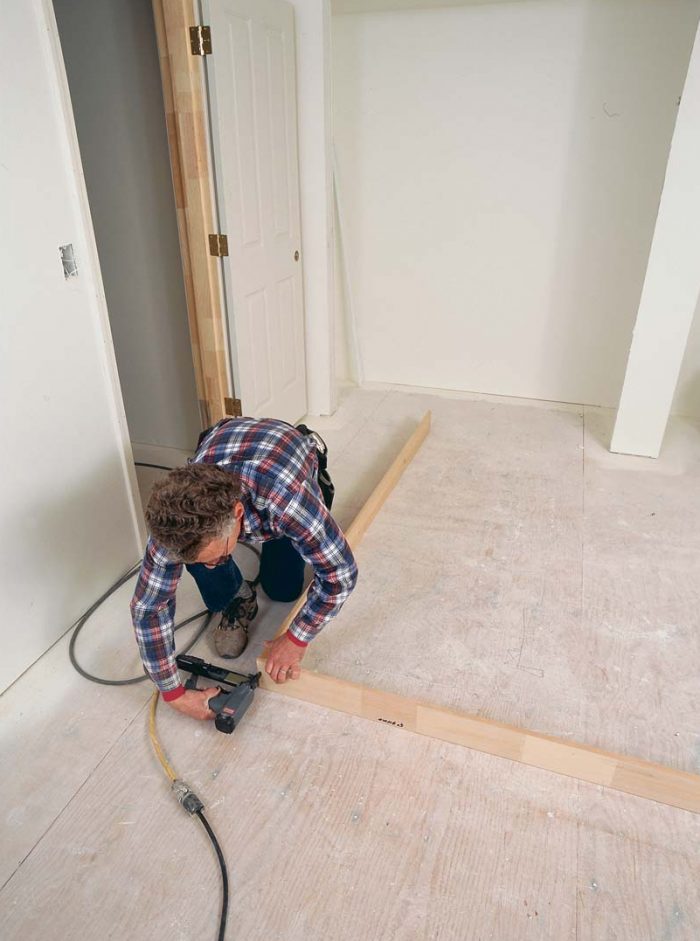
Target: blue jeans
<point>217,586</point>
<point>281,576</point>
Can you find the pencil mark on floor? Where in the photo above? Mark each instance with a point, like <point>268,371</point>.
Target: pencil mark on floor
<point>517,652</point>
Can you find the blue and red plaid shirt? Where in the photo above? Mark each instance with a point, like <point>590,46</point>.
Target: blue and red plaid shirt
<point>277,468</point>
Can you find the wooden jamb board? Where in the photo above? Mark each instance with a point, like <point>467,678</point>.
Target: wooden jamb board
<point>621,772</point>
<point>182,80</point>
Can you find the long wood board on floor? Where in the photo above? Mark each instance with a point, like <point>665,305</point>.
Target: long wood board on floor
<point>624,773</point>
<point>631,775</point>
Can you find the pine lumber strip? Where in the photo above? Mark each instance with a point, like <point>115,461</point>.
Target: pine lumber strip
<point>631,775</point>
<point>377,498</point>
<point>374,503</point>
<point>185,114</point>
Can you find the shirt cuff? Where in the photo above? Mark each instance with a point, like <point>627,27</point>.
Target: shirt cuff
<point>169,695</point>
<point>295,640</point>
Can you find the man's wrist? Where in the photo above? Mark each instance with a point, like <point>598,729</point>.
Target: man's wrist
<point>170,695</point>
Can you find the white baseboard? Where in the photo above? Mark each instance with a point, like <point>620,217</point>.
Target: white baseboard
<point>159,454</point>
<point>470,396</point>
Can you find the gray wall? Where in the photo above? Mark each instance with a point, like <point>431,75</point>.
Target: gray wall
<point>111,58</point>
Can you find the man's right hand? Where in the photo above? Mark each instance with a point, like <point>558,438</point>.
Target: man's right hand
<point>193,702</point>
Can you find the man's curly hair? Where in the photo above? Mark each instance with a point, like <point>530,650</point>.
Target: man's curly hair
<point>192,506</point>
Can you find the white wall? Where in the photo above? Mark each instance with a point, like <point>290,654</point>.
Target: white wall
<point>112,63</point>
<point>346,369</point>
<point>501,167</point>
<point>671,290</point>
<point>687,398</point>
<point>68,519</point>
<point>313,43</point>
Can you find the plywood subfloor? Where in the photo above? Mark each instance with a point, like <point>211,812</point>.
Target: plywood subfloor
<point>339,828</point>
<point>521,572</point>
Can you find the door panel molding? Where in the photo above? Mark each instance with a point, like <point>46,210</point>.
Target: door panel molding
<point>252,97</point>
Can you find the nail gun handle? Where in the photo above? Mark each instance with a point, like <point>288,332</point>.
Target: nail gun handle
<point>216,702</point>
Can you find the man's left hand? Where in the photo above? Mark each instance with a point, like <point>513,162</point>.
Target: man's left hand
<point>283,659</point>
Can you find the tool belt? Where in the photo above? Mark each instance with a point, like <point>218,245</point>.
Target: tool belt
<point>324,478</point>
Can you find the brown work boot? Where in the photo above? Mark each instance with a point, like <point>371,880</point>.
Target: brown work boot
<point>231,634</point>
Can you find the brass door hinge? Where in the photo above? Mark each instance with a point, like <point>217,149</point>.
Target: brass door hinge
<point>233,407</point>
<point>200,40</point>
<point>218,245</point>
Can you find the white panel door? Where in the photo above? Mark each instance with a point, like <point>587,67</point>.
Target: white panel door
<point>252,100</point>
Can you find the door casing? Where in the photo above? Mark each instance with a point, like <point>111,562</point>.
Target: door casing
<point>185,114</point>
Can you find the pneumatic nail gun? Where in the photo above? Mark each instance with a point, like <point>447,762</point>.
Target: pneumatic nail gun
<point>236,694</point>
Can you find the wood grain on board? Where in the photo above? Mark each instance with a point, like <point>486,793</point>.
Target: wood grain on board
<point>182,80</point>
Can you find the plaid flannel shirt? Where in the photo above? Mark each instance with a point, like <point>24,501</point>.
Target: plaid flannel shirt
<point>277,468</point>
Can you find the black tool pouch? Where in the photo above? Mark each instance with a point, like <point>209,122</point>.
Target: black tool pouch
<point>324,478</point>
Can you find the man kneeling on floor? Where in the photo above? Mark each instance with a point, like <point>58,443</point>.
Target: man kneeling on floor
<point>254,482</point>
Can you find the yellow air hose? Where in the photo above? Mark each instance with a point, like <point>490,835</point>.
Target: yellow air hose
<point>192,804</point>
<point>153,735</point>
